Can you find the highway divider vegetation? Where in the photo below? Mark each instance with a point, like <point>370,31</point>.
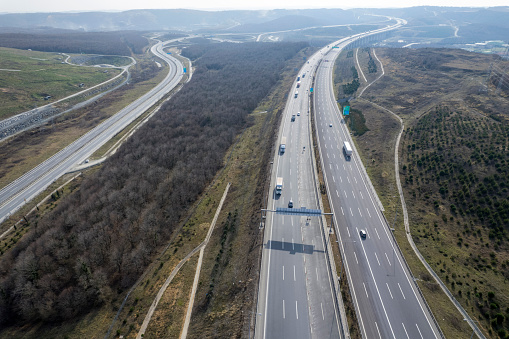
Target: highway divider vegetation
<point>99,240</point>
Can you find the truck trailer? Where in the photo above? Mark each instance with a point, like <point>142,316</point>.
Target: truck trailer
<point>279,185</point>
<point>347,149</point>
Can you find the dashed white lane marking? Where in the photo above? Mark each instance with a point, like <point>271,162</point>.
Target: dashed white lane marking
<point>334,179</point>
<point>325,145</point>
<point>361,195</point>
<point>337,193</point>
<point>355,255</point>
<point>365,290</point>
<point>351,211</point>
<point>405,330</point>
<point>283,272</point>
<point>347,178</point>
<point>353,194</point>
<point>342,212</point>
<point>283,243</point>
<point>317,278</point>
<point>389,290</point>
<point>296,309</point>
<point>323,317</point>
<point>293,245</point>
<point>369,214</point>
<point>359,211</point>
<point>344,167</point>
<point>348,232</point>
<point>284,317</point>
<point>340,179</point>
<point>377,259</point>
<point>330,166</point>
<point>337,167</point>
<point>327,155</point>
<point>294,277</point>
<point>388,259</point>
<point>345,194</point>
<point>403,294</point>
<point>376,231</point>
<point>379,335</point>
<point>355,179</point>
<point>419,331</point>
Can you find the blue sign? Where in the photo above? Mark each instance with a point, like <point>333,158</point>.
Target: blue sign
<point>185,70</point>
<point>311,89</point>
<point>168,53</point>
<point>346,110</point>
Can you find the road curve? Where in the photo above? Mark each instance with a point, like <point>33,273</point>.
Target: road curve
<point>26,187</point>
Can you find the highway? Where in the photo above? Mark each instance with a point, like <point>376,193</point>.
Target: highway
<point>388,303</point>
<point>295,298</point>
<point>26,187</point>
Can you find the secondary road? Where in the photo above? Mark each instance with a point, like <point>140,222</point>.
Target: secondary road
<point>388,303</point>
<point>26,187</point>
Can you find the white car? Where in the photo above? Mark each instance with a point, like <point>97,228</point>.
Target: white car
<point>298,114</point>
<point>330,125</point>
<point>363,234</point>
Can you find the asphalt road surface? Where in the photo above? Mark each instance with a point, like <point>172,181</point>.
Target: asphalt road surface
<point>296,297</point>
<point>26,187</point>
<point>387,302</point>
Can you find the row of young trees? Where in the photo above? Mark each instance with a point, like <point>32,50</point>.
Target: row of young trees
<point>99,240</point>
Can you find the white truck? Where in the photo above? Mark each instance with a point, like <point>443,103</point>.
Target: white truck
<point>347,149</point>
<point>279,185</point>
<point>282,147</point>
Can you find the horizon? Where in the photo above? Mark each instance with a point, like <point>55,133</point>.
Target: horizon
<point>53,6</point>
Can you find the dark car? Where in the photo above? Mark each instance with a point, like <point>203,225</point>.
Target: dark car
<point>363,234</point>
<point>290,204</point>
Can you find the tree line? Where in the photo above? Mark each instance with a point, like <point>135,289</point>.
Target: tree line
<point>99,240</point>
<point>111,43</point>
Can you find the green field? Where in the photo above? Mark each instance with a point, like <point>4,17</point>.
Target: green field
<point>26,77</point>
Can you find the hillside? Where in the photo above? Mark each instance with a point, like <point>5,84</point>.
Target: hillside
<point>453,163</point>
<point>99,240</point>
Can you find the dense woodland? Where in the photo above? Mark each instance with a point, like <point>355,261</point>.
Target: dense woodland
<point>99,240</point>
<point>111,43</point>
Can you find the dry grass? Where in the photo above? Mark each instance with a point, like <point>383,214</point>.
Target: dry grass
<point>26,150</point>
<point>411,92</point>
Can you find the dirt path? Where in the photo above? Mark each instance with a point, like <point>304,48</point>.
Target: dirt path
<point>163,288</point>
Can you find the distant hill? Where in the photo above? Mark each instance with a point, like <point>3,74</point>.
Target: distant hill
<point>182,19</point>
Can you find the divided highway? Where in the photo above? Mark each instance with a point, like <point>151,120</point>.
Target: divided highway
<point>388,303</point>
<point>296,298</point>
<point>26,187</point>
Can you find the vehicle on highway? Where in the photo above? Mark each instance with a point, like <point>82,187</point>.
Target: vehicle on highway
<point>296,94</point>
<point>290,204</point>
<point>347,149</point>
<point>282,147</point>
<point>298,114</point>
<point>330,125</point>
<point>293,117</point>
<point>363,234</point>
<point>279,185</point>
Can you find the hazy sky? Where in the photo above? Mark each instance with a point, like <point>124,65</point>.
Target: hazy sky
<point>22,6</point>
